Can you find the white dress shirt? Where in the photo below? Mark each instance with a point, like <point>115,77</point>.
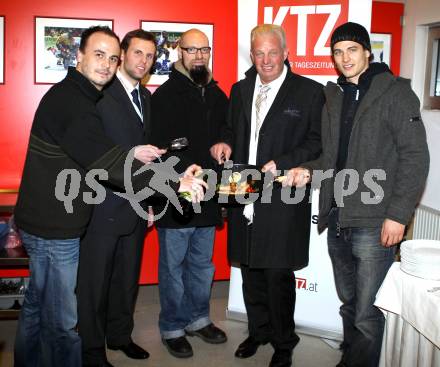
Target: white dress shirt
<point>275,86</point>
<point>129,88</point>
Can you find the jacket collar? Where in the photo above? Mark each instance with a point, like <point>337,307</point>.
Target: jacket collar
<point>84,84</point>
<point>365,79</point>
<point>247,91</point>
<point>119,94</point>
<point>380,83</point>
<point>178,66</point>
<point>378,76</point>
<point>375,68</point>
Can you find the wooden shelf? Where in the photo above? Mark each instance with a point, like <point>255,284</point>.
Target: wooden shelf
<point>8,198</point>
<point>14,296</point>
<point>13,257</point>
<point>9,314</point>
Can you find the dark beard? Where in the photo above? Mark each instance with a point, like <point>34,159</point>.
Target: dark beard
<point>199,74</point>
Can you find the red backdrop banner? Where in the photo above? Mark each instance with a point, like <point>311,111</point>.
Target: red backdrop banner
<point>308,25</point>
<point>19,96</point>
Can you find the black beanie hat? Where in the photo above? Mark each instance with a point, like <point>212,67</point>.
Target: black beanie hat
<point>351,32</point>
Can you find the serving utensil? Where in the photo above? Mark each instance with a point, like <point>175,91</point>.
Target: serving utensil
<point>178,144</point>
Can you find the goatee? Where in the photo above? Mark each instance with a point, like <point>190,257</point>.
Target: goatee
<point>199,74</point>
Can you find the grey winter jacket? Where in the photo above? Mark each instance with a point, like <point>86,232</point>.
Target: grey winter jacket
<point>388,134</point>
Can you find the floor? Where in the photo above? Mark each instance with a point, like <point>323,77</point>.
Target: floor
<point>310,352</point>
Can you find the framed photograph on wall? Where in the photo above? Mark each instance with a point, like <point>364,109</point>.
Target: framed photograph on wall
<point>381,47</point>
<point>56,43</point>
<point>2,49</point>
<point>168,37</point>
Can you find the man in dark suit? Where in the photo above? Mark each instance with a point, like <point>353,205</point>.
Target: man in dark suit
<point>110,253</point>
<point>275,119</point>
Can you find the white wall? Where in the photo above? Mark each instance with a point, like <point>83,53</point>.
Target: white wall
<point>418,15</point>
<point>431,197</point>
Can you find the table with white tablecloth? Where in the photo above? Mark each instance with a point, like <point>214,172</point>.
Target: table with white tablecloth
<point>411,306</point>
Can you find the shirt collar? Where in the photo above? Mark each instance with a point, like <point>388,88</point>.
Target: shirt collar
<point>274,84</point>
<point>126,83</point>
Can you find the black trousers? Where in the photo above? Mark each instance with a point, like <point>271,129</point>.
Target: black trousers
<point>269,297</point>
<point>107,288</point>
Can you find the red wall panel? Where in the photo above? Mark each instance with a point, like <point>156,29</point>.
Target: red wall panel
<point>150,259</point>
<point>385,18</point>
<point>19,96</point>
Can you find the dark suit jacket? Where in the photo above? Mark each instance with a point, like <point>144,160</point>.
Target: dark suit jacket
<point>289,135</point>
<point>123,125</point>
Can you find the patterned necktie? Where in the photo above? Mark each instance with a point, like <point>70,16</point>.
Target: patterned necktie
<point>135,97</point>
<point>260,102</point>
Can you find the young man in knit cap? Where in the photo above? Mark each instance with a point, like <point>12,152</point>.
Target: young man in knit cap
<point>373,140</point>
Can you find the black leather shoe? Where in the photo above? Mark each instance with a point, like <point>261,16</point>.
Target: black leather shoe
<point>105,364</point>
<point>281,358</point>
<point>210,334</point>
<point>131,350</point>
<point>178,347</point>
<point>343,361</point>
<point>248,348</point>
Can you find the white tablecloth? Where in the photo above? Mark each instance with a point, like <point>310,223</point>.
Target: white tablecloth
<point>412,330</point>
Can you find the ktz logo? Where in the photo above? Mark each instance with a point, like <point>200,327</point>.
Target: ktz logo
<point>301,283</point>
<point>308,25</point>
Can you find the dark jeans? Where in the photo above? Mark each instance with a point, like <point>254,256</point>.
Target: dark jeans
<point>360,264</point>
<point>185,278</point>
<point>46,335</point>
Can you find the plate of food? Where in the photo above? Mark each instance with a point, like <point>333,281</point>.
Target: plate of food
<point>238,183</point>
<point>236,186</point>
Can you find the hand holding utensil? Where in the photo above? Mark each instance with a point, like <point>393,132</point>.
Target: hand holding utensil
<point>177,144</point>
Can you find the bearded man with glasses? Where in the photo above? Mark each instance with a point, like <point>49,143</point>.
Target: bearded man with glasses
<point>189,104</point>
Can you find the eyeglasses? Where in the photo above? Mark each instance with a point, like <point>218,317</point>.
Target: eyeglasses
<point>193,50</point>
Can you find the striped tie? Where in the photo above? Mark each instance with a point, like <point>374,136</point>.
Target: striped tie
<point>260,102</point>
<point>135,97</point>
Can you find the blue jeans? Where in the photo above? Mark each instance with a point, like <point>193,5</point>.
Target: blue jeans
<point>185,277</point>
<point>360,264</point>
<point>46,334</point>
